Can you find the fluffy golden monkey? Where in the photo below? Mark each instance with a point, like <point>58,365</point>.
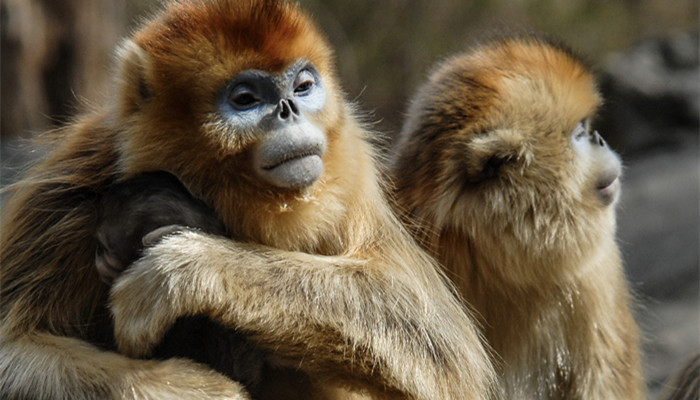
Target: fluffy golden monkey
<point>515,194</point>
<point>239,101</point>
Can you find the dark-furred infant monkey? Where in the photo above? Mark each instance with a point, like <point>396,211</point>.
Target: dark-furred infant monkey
<point>137,212</point>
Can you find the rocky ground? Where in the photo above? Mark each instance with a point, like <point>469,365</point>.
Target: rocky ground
<point>653,117</point>
<point>658,232</point>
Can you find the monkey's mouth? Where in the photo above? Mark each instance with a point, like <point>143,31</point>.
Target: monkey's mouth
<point>294,170</point>
<point>608,188</point>
<point>294,157</point>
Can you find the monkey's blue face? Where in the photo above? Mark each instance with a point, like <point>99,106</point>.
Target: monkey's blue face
<point>274,112</point>
<point>604,163</point>
<point>256,96</point>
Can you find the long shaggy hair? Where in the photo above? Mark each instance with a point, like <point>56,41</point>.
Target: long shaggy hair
<point>387,320</point>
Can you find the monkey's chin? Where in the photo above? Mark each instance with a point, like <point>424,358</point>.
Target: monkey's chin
<point>297,173</point>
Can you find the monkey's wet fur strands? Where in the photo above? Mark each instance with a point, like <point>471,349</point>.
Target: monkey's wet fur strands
<point>503,180</point>
<point>239,101</point>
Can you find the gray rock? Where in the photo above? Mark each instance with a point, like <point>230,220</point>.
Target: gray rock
<point>652,94</point>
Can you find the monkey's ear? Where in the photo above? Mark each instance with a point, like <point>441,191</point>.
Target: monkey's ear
<point>492,166</point>
<point>133,88</point>
<point>492,151</point>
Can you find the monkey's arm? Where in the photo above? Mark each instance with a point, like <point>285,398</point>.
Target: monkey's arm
<point>327,313</point>
<point>42,366</point>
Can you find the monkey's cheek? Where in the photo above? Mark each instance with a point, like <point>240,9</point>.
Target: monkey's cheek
<point>298,173</point>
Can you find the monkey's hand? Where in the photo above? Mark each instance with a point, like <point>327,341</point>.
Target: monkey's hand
<point>340,317</point>
<point>144,300</point>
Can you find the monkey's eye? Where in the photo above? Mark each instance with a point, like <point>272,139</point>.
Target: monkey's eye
<point>304,82</point>
<point>243,97</point>
<point>580,131</point>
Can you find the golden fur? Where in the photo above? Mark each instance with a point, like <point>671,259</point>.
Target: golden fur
<point>486,169</point>
<point>324,278</point>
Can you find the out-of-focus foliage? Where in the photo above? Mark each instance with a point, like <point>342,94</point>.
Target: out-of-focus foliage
<point>54,51</point>
<point>385,47</point>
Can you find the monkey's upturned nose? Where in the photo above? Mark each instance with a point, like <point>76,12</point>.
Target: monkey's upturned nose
<point>596,138</point>
<point>287,109</point>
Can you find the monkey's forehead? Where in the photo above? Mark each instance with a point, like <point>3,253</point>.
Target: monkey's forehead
<point>238,34</point>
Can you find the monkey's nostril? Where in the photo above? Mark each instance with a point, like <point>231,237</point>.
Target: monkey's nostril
<point>293,107</point>
<point>284,110</point>
<point>287,109</point>
<point>597,138</point>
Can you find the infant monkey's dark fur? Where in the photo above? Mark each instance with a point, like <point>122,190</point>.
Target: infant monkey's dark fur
<point>133,208</point>
<point>127,213</point>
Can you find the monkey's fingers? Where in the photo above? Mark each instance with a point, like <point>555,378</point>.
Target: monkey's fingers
<point>156,235</point>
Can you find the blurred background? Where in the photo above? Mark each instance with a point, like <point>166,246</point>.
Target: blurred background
<point>56,56</point>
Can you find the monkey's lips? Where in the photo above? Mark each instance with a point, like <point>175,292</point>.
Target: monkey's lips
<point>608,188</point>
<point>295,171</point>
<point>293,157</point>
